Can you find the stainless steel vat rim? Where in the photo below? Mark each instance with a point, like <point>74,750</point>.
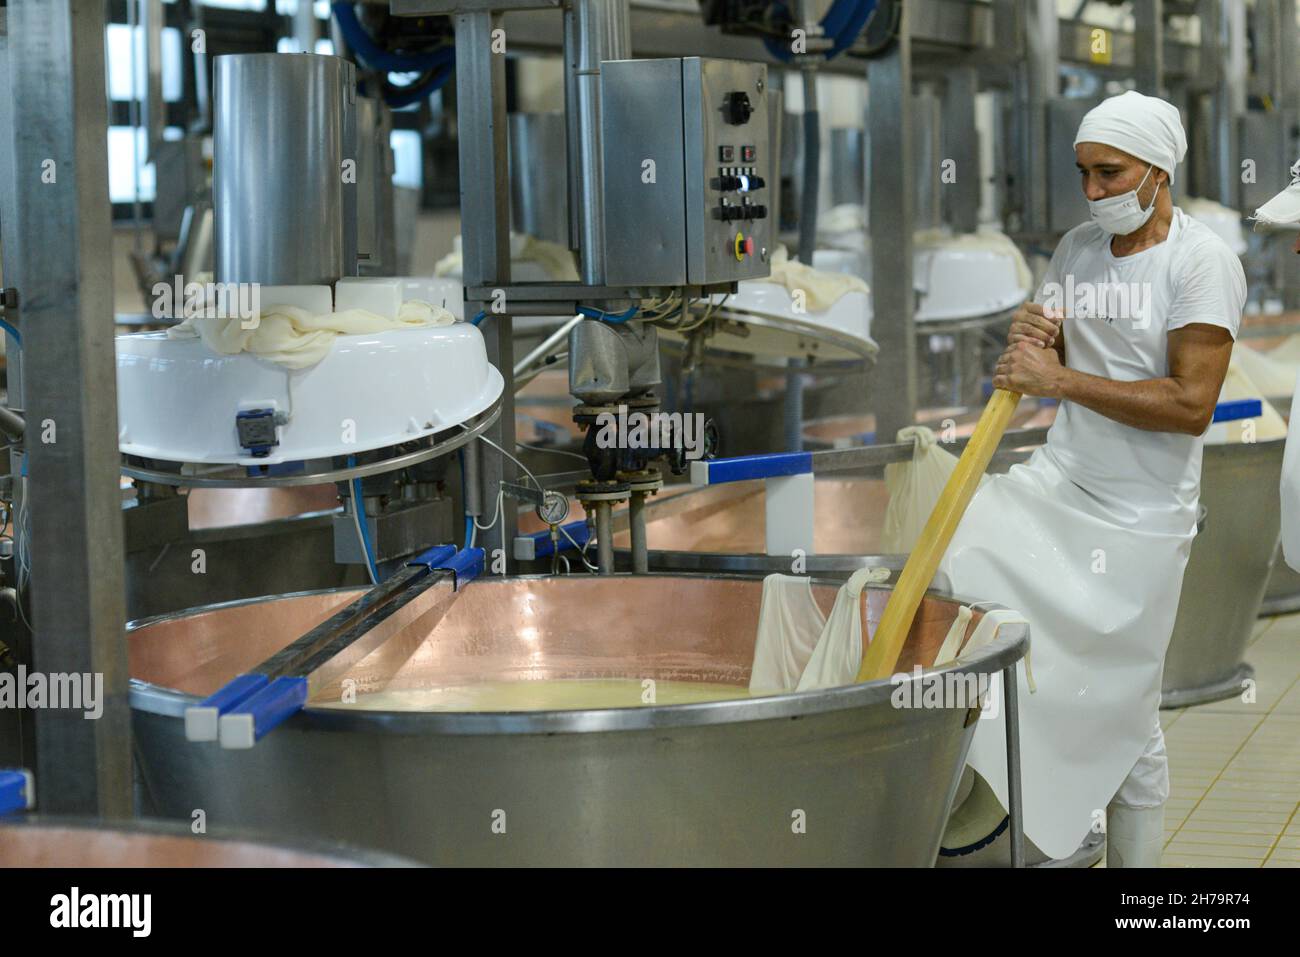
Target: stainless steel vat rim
<point>1261,447</point>
<point>469,430</point>
<point>157,827</point>
<point>737,563</point>
<point>1009,647</point>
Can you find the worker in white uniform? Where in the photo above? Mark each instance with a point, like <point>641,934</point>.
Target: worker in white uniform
<point>1283,210</point>
<point>1132,331</point>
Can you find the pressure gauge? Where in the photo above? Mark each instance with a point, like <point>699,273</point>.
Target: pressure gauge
<point>554,508</point>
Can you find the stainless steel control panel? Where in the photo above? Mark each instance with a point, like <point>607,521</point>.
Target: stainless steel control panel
<point>687,171</point>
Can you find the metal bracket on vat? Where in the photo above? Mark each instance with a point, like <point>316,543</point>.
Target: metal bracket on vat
<point>252,704</point>
<point>790,479</point>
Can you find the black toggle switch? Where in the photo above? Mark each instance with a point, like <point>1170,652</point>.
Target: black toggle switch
<point>736,108</point>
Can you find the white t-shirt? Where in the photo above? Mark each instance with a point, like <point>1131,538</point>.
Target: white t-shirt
<point>1119,311</point>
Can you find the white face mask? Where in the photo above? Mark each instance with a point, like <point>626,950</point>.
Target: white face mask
<point>1122,214</point>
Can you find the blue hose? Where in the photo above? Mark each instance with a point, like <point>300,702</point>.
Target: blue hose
<point>469,519</point>
<point>357,503</point>
<point>852,29</point>
<point>614,317</point>
<point>375,56</point>
<point>842,23</point>
<point>365,530</point>
<point>439,62</point>
<point>13,331</point>
<point>400,97</point>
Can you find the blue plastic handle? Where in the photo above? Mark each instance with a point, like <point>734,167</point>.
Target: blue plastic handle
<point>201,720</point>
<point>251,721</point>
<point>1238,409</point>
<point>467,564</point>
<point>436,557</point>
<point>15,791</point>
<point>543,546</point>
<point>743,468</point>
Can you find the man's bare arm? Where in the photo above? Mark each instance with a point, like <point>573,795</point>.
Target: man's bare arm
<point>1183,401</point>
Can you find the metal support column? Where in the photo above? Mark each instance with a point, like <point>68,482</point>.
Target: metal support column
<point>1230,102</point>
<point>961,200</point>
<point>1203,178</point>
<point>485,237</point>
<point>57,240</point>
<point>1288,90</point>
<point>594,30</point>
<point>1040,83</point>
<point>892,191</point>
<point>1149,37</point>
<point>1015,802</point>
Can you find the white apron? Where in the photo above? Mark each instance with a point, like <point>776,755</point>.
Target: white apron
<point>1100,597</point>
<point>1290,490</point>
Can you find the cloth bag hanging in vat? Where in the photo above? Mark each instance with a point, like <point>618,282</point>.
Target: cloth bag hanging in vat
<point>799,648</point>
<point>914,489</point>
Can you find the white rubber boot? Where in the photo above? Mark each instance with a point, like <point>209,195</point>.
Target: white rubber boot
<point>1135,837</point>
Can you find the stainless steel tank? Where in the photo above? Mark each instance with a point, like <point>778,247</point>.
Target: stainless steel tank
<point>284,126</point>
<point>36,841</point>
<point>720,783</point>
<point>1226,574</point>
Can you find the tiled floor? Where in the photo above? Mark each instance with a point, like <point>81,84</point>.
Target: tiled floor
<point>1235,765</point>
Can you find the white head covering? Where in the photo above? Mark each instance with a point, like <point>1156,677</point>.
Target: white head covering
<point>1143,126</point>
<point>1284,208</point>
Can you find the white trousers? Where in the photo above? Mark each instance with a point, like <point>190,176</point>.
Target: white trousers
<point>1147,785</point>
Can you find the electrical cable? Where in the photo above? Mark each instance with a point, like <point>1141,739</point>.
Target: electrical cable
<point>521,465</point>
<point>580,549</point>
<point>496,512</point>
<point>358,507</point>
<point>542,448</point>
<point>13,331</point>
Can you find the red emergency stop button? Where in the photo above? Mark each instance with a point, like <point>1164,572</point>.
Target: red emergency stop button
<point>743,246</point>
